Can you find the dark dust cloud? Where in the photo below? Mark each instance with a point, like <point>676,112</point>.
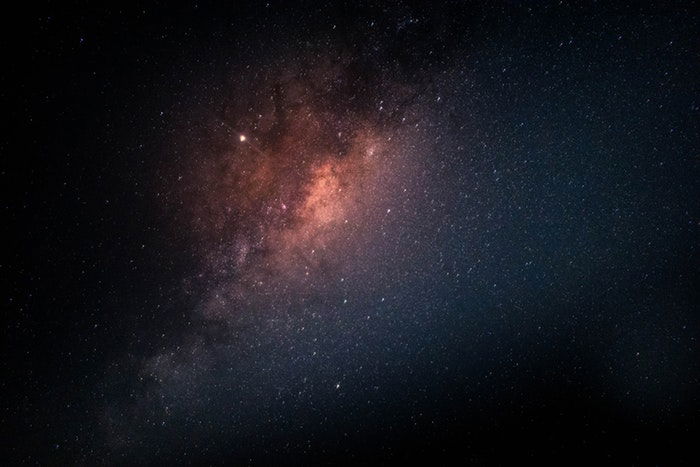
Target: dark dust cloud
<point>372,232</point>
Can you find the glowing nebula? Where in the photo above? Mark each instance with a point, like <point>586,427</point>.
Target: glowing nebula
<point>288,202</point>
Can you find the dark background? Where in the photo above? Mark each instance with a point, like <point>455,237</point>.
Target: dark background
<point>572,128</point>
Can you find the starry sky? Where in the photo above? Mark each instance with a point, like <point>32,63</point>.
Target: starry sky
<point>351,232</point>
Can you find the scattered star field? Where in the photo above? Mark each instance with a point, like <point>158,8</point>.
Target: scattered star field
<point>352,233</point>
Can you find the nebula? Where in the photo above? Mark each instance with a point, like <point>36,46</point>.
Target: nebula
<point>290,190</point>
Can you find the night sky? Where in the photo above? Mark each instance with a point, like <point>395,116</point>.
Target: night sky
<point>362,232</point>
